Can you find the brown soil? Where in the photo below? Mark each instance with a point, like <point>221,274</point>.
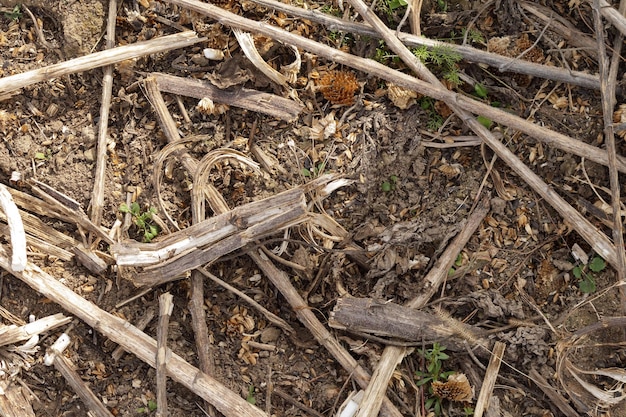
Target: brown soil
<point>407,202</point>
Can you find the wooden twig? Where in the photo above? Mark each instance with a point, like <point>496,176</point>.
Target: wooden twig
<point>555,396</point>
<point>467,52</point>
<point>166,305</point>
<point>611,14</point>
<point>572,35</point>
<point>207,241</point>
<point>12,334</point>
<point>16,229</point>
<point>97,195</point>
<point>257,101</point>
<point>54,356</point>
<point>98,59</point>
<point>491,375</point>
<point>607,90</point>
<point>308,410</point>
<point>14,401</point>
<point>133,340</point>
<point>143,322</point>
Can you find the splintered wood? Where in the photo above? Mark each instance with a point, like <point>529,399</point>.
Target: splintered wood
<point>206,241</point>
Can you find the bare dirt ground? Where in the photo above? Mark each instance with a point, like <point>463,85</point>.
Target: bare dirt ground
<point>414,182</point>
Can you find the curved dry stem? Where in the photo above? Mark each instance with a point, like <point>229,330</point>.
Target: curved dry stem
<point>157,173</point>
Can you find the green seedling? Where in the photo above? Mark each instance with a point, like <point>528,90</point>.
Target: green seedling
<point>485,121</point>
<point>15,13</point>
<point>457,263</point>
<point>149,408</point>
<point>250,398</point>
<point>480,90</point>
<point>315,171</point>
<point>434,364</point>
<point>43,156</point>
<point>584,274</point>
<point>390,184</point>
<point>143,221</point>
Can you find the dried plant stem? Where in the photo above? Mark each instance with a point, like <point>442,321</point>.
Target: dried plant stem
<point>611,14</point>
<point>98,59</point>
<point>97,195</point>
<point>166,305</point>
<point>491,375</point>
<point>608,83</point>
<point>601,244</point>
<point>467,52</point>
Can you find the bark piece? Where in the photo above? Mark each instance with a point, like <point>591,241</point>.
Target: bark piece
<point>279,107</point>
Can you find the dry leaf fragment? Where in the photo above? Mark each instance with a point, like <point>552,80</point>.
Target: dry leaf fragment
<point>401,97</point>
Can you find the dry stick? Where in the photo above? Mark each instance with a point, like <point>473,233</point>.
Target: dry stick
<point>600,243</point>
<point>166,305</point>
<point>16,229</point>
<point>196,302</point>
<point>97,195</point>
<point>490,379</point>
<point>279,278</point>
<point>555,396</point>
<point>369,407</point>
<point>467,52</point>
<point>610,14</point>
<point>143,322</point>
<point>608,104</point>
<point>542,134</point>
<point>99,59</point>
<point>133,340</point>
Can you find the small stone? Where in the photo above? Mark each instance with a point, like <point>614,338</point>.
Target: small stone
<point>270,335</point>
<point>90,154</point>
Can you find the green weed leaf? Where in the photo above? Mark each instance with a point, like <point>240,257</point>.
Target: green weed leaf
<point>597,264</point>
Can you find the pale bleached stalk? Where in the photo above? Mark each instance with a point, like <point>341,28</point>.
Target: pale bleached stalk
<point>16,229</point>
<point>97,195</point>
<point>98,59</point>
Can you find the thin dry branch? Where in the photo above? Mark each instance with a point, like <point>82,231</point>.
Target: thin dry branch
<point>608,85</point>
<point>98,59</point>
<point>552,393</point>
<point>133,340</point>
<point>611,14</point>
<point>467,52</point>
<point>600,243</point>
<point>97,195</point>
<point>257,101</point>
<point>55,356</point>
<point>16,229</point>
<point>491,375</point>
<point>166,305</point>
<point>12,334</point>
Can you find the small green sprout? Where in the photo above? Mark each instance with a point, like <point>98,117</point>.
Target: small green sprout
<point>434,364</point>
<point>485,121</point>
<point>315,171</point>
<point>143,221</point>
<point>390,184</point>
<point>250,398</point>
<point>457,263</point>
<point>15,13</point>
<point>586,280</point>
<point>480,90</point>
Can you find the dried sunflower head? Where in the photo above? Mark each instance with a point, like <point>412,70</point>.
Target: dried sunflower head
<point>339,87</point>
<point>456,388</point>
